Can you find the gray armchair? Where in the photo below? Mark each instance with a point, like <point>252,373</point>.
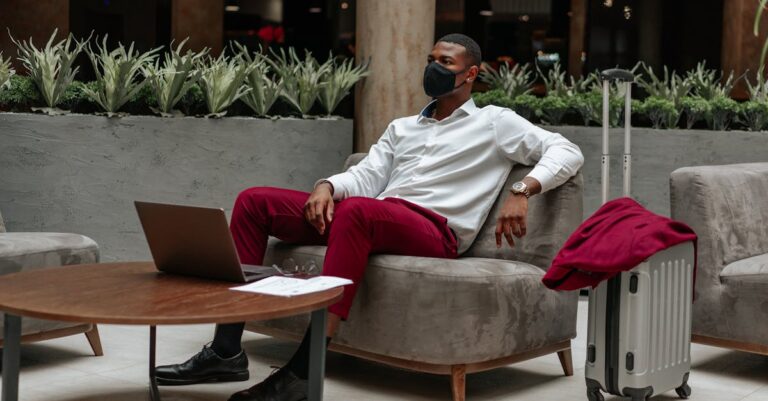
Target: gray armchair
<point>727,206</point>
<point>484,310</point>
<point>29,251</point>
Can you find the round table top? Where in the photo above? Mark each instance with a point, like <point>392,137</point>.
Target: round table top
<point>136,293</point>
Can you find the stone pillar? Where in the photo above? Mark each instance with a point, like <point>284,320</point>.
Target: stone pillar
<point>397,36</point>
<point>35,19</point>
<point>200,20</point>
<point>741,49</point>
<point>577,37</point>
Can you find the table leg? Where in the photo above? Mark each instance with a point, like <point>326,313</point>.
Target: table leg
<point>317,354</point>
<point>11,357</point>
<point>154,393</point>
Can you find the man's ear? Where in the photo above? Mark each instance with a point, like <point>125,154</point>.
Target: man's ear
<point>472,73</point>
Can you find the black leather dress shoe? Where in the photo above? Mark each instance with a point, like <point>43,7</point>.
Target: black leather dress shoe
<point>282,385</point>
<point>205,366</point>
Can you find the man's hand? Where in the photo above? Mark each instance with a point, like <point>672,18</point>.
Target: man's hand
<point>512,219</point>
<point>319,207</point>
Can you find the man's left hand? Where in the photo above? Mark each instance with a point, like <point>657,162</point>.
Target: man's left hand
<point>512,219</point>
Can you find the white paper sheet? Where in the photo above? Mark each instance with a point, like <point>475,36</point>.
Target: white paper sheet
<point>290,287</point>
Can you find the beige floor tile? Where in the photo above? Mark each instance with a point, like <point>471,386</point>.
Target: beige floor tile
<point>64,370</point>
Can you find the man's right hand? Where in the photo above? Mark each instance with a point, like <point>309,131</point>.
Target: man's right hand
<point>319,207</point>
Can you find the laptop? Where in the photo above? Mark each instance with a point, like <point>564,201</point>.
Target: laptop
<point>195,241</point>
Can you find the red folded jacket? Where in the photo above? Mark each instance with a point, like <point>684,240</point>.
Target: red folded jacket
<point>618,237</point>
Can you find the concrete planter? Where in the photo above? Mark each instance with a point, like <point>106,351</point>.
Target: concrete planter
<point>81,173</point>
<point>655,154</point>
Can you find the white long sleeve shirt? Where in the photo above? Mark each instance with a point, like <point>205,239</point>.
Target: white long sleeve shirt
<point>456,167</point>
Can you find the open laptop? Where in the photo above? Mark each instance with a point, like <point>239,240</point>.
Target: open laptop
<point>195,241</point>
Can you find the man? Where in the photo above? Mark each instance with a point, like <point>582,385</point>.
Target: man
<point>423,190</point>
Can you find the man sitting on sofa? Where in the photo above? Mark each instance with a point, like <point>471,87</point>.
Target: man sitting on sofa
<point>424,189</point>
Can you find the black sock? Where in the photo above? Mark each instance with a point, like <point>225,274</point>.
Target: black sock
<point>226,340</point>
<point>299,363</point>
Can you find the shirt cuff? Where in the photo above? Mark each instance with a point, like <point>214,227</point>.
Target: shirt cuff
<point>339,185</point>
<point>545,177</point>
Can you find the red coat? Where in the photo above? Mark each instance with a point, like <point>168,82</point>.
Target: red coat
<point>618,237</point>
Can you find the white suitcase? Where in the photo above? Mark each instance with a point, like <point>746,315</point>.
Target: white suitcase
<point>639,329</point>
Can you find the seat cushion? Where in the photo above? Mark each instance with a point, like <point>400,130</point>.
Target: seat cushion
<point>26,251</point>
<point>753,268</point>
<point>444,311</point>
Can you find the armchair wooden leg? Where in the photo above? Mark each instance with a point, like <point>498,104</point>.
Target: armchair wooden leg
<point>566,361</point>
<point>459,382</point>
<point>94,340</point>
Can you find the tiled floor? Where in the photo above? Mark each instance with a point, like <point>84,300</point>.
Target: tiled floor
<point>63,370</point>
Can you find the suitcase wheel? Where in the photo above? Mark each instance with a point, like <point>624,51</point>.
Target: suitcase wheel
<point>595,395</point>
<point>683,391</point>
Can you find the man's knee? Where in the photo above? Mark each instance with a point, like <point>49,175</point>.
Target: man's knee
<point>255,194</point>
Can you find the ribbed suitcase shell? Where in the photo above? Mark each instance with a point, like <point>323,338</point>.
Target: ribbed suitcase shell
<point>653,328</point>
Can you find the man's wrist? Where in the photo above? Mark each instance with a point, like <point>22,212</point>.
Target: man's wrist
<point>328,184</point>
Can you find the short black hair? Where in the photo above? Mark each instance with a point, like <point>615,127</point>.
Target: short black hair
<point>473,49</point>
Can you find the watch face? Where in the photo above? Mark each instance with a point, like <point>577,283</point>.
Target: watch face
<point>518,187</point>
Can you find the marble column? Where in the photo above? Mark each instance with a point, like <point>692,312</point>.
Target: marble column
<point>396,35</point>
<point>200,20</point>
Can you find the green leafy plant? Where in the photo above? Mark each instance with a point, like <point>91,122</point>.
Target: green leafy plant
<point>696,109</point>
<point>6,72</point>
<point>338,81</point>
<point>753,115</point>
<point>264,89</point>
<point>223,82</point>
<point>21,94</point>
<point>552,109</point>
<point>589,106</point>
<point>51,66</point>
<point>514,82</point>
<point>661,111</point>
<point>496,97</point>
<point>171,80</point>
<point>118,74</point>
<point>525,105</point>
<point>302,79</point>
<point>708,84</point>
<point>722,112</point>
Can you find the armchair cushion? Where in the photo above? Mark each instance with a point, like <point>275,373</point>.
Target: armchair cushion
<point>24,251</point>
<point>754,268</point>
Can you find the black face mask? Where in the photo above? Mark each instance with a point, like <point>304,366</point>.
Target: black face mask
<point>439,80</point>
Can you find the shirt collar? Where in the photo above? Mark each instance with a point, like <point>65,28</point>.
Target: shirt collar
<point>468,108</point>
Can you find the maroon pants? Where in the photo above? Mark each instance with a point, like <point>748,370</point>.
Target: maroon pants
<point>360,227</point>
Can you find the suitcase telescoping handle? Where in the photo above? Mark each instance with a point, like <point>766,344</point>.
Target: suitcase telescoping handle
<point>627,77</point>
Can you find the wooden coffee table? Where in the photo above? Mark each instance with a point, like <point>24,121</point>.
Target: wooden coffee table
<point>135,293</point>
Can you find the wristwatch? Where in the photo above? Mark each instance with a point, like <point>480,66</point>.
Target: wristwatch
<point>520,188</point>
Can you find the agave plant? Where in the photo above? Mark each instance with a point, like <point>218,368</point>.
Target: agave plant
<point>555,81</point>
<point>758,91</point>
<point>302,79</point>
<point>761,7</point>
<point>515,81</point>
<point>118,74</point>
<point>223,82</point>
<point>338,81</point>
<point>50,67</point>
<point>264,90</point>
<point>708,84</point>
<point>672,86</point>
<point>171,81</point>
<point>5,72</point>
